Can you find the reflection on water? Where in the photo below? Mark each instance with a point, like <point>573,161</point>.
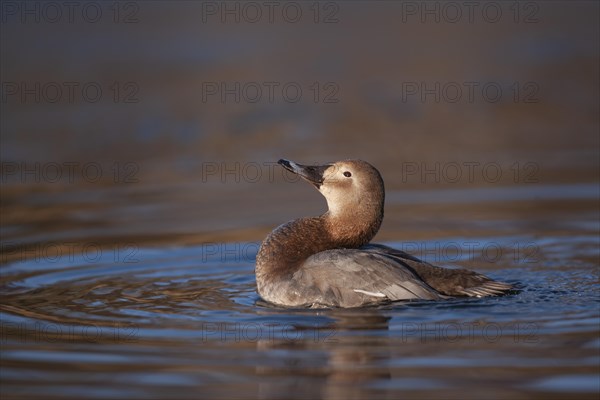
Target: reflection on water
<point>140,284</point>
<point>187,320</point>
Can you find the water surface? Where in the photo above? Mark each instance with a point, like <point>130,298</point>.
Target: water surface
<point>159,320</point>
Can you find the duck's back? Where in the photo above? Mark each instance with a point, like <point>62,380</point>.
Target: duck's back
<point>354,278</point>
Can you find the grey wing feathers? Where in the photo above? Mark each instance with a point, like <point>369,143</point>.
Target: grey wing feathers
<point>450,282</point>
<point>487,288</point>
<point>354,277</point>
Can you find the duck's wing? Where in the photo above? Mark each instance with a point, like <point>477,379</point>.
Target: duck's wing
<point>451,282</point>
<point>354,278</point>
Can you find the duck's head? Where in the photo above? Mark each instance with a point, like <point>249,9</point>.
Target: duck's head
<point>353,189</point>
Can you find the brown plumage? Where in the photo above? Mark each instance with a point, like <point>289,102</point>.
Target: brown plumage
<point>327,261</point>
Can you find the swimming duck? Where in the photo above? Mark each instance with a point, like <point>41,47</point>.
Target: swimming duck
<point>327,261</point>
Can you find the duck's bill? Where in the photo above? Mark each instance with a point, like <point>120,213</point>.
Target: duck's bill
<point>313,174</point>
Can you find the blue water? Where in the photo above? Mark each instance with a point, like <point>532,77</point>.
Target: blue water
<point>187,320</point>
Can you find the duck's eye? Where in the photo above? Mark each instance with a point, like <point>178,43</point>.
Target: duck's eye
<point>347,174</point>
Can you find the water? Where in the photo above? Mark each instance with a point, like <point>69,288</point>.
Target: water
<point>139,284</point>
<point>155,321</point>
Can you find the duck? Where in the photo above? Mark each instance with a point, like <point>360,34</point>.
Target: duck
<point>328,261</point>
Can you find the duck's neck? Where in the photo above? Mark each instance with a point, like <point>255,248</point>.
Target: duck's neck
<point>352,230</point>
<point>288,246</point>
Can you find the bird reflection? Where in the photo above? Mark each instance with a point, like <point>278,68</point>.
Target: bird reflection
<point>339,355</point>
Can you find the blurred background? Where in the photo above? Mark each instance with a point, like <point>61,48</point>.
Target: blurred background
<point>182,108</point>
<point>152,129</point>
